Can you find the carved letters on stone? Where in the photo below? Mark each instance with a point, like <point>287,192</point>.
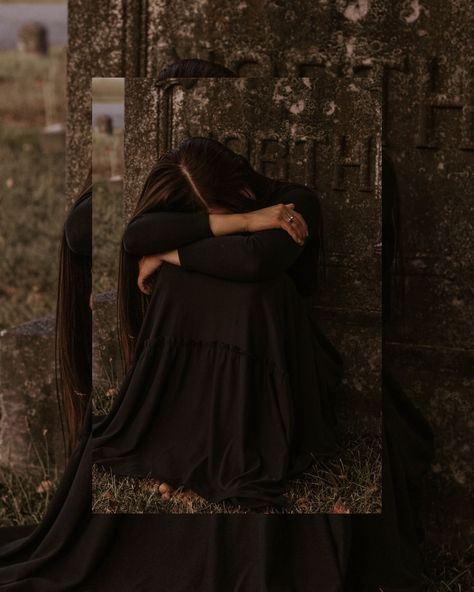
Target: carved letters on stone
<point>435,99</point>
<point>360,161</point>
<point>293,158</point>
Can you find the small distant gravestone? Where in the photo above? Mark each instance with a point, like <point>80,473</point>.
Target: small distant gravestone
<point>33,38</point>
<point>104,124</point>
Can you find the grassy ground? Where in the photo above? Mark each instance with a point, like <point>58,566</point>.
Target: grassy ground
<point>25,496</point>
<point>343,484</point>
<point>108,90</point>
<point>449,570</point>
<point>107,156</point>
<point>24,501</point>
<point>33,88</point>
<point>32,203</point>
<point>32,189</point>
<point>107,236</point>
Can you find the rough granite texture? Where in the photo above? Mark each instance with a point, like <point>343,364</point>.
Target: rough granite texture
<point>30,432</point>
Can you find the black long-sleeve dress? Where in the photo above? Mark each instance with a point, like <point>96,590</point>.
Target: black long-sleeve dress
<point>387,548</point>
<point>73,550</point>
<point>230,390</point>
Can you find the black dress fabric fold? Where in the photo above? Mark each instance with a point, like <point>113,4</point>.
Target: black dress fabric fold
<point>388,548</point>
<point>73,550</point>
<point>229,393</point>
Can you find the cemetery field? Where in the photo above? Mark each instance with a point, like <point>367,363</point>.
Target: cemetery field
<point>32,183</point>
<point>108,90</point>
<point>32,202</point>
<point>33,88</point>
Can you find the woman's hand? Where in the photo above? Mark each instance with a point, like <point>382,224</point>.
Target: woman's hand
<point>278,216</point>
<point>147,266</point>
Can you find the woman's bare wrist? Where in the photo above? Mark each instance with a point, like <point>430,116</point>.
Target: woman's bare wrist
<point>245,221</point>
<point>222,224</point>
<point>170,257</point>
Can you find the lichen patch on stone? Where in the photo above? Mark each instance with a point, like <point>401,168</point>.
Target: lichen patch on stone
<point>355,11</point>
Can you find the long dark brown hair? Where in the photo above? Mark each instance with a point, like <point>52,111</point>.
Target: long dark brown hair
<point>73,345</point>
<point>199,174</point>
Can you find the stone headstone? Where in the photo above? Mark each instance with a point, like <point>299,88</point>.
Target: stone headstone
<point>320,132</point>
<point>30,432</point>
<point>33,38</point>
<point>104,124</point>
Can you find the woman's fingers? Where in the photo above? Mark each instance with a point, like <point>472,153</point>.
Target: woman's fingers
<point>147,266</point>
<point>297,227</point>
<point>142,286</point>
<point>300,223</point>
<point>293,231</point>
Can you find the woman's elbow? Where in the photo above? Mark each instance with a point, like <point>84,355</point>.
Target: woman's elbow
<point>131,242</point>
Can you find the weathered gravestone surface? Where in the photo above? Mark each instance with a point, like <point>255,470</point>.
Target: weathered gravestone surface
<point>256,38</point>
<point>422,52</point>
<point>30,435</point>
<point>320,132</point>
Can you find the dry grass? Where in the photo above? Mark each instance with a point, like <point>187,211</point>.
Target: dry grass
<point>108,90</point>
<point>33,204</point>
<point>25,495</point>
<point>24,499</point>
<point>449,570</point>
<point>32,191</point>
<point>349,483</point>
<point>33,88</point>
<point>108,159</point>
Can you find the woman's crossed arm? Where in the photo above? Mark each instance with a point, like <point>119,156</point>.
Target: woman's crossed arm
<point>243,247</point>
